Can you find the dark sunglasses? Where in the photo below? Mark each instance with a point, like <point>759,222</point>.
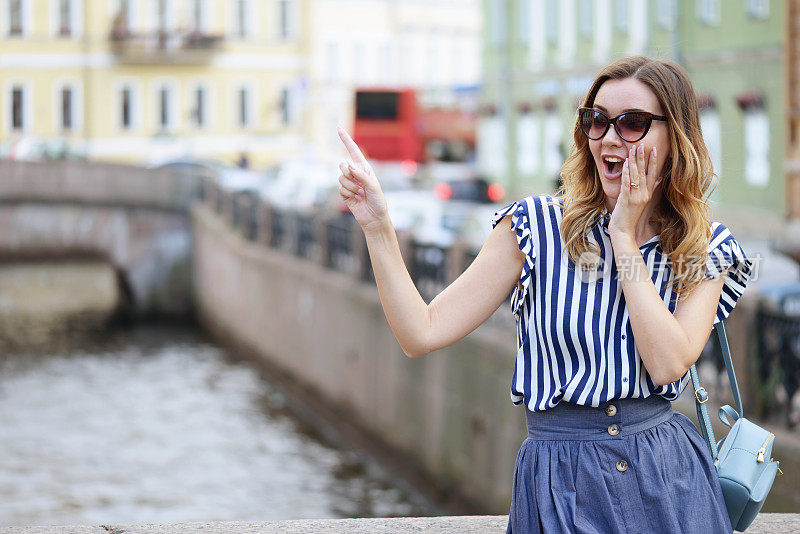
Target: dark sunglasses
<point>630,126</point>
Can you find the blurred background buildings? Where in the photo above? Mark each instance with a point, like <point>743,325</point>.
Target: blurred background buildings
<point>145,81</point>
<point>257,82</point>
<point>541,55</point>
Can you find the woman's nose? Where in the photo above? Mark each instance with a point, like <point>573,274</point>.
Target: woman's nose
<point>612,137</point>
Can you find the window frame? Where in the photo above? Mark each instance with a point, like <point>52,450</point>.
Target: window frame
<point>709,12</point>
<point>16,24</point>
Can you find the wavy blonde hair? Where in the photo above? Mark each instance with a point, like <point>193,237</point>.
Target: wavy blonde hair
<point>683,216</point>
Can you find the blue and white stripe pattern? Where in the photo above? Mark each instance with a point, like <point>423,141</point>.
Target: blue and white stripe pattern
<point>574,337</point>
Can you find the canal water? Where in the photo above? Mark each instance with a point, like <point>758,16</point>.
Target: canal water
<point>155,425</point>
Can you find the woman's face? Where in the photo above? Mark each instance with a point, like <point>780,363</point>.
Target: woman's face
<point>613,98</point>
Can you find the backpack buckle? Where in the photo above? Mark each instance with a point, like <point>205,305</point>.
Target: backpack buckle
<point>701,395</point>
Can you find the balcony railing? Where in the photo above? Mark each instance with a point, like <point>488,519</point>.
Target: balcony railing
<point>178,47</point>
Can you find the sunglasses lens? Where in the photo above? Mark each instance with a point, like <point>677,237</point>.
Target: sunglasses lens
<point>593,123</point>
<point>633,125</point>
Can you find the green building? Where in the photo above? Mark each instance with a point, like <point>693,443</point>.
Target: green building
<point>540,57</point>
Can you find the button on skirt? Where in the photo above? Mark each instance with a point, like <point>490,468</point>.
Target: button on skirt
<point>631,465</point>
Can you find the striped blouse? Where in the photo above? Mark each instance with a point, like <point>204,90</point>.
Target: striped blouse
<point>574,337</point>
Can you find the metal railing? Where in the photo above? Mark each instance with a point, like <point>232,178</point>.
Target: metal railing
<point>778,363</point>
<point>335,241</point>
<point>428,269</point>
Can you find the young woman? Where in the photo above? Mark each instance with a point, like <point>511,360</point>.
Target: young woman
<point>617,282</point>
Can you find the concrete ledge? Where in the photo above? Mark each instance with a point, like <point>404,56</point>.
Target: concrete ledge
<point>764,524</point>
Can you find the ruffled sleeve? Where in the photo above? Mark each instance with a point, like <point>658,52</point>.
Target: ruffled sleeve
<point>520,223</point>
<point>724,252</point>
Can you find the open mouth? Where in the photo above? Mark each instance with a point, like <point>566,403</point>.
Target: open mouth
<point>613,166</point>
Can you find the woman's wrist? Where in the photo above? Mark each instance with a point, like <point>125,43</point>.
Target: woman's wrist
<point>378,228</point>
<point>619,238</point>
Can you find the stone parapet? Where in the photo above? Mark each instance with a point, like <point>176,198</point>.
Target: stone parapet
<point>763,524</point>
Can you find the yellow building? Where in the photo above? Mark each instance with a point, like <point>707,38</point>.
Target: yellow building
<point>151,80</point>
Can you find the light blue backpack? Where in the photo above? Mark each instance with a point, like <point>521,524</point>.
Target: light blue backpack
<point>744,461</point>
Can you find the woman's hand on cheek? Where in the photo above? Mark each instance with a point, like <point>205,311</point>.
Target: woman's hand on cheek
<point>638,182</point>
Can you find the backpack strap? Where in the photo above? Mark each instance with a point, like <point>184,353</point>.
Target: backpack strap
<point>701,395</point>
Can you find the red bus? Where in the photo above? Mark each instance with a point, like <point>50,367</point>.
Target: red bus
<point>385,124</point>
<point>391,126</point>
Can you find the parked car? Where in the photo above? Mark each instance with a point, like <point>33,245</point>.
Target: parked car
<point>31,148</point>
<point>470,190</point>
<point>476,225</point>
<point>301,184</point>
<point>227,176</point>
<point>421,213</point>
<point>434,221</point>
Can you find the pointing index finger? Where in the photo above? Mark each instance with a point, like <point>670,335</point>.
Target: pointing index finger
<point>352,147</point>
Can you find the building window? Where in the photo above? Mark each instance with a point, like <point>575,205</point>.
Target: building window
<point>756,142</point>
<point>538,35</point>
<point>64,18</point>
<point>161,15</point>
<point>67,109</point>
<point>333,61</point>
<point>164,101</point>
<point>639,26</point>
<point>712,135</point>
<point>17,108</point>
<point>667,14</point>
<point>14,17</point>
<point>491,143</point>
<point>122,21</point>
<point>126,108</point>
<point>603,31</point>
<point>242,103</point>
<point>523,21</point>
<point>198,112</point>
<point>123,18</point>
<point>551,16</point>
<point>553,144</point>
<point>621,15</point>
<point>198,14</point>
<point>567,34</point>
<point>709,12</point>
<point>241,29</point>
<point>285,19</point>
<point>586,18</point>
<point>529,143</point>
<point>286,116</point>
<point>497,23</point>
<point>758,9</point>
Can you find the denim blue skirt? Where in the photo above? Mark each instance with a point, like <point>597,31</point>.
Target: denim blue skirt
<point>630,465</point>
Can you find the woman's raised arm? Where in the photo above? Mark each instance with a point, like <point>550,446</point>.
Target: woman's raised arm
<point>462,306</point>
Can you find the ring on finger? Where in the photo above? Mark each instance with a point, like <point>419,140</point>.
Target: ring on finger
<point>635,185</point>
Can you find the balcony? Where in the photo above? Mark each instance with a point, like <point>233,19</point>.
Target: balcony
<point>164,47</point>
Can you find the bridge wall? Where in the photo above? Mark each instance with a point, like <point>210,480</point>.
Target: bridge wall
<point>96,183</point>
<point>134,218</point>
<point>151,249</point>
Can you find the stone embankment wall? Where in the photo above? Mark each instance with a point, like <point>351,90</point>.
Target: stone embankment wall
<point>448,412</point>
<point>44,301</point>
